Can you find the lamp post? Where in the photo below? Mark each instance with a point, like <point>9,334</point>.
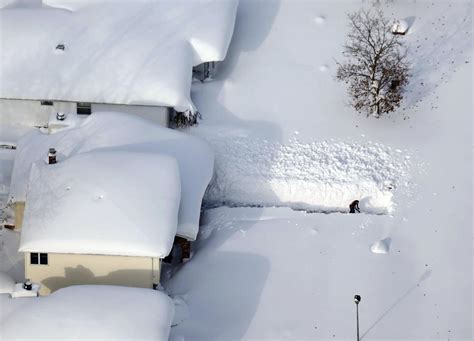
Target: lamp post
<point>357,300</point>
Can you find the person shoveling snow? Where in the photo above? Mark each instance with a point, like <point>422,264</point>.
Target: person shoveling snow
<point>354,206</point>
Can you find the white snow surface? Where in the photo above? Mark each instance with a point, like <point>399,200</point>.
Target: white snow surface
<point>294,123</point>
<point>279,274</point>
<point>381,246</point>
<point>123,132</point>
<point>122,52</point>
<point>88,312</point>
<point>323,176</point>
<point>103,202</point>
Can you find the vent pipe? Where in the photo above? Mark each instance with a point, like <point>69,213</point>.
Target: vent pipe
<point>52,156</point>
<point>60,116</point>
<point>28,285</point>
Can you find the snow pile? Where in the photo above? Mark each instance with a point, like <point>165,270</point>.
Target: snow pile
<point>122,132</point>
<point>134,52</point>
<point>321,176</point>
<point>400,27</point>
<point>102,202</point>
<point>7,284</point>
<point>88,312</point>
<point>381,246</point>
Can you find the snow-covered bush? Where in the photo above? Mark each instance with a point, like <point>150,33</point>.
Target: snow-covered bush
<point>375,69</point>
<point>184,119</point>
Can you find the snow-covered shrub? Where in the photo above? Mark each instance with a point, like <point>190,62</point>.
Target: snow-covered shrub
<point>375,69</point>
<point>184,119</point>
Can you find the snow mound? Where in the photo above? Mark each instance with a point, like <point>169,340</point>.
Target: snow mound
<point>381,246</point>
<point>400,27</point>
<point>324,68</point>
<point>321,19</point>
<point>322,176</point>
<point>123,132</point>
<point>89,312</point>
<point>135,52</point>
<point>121,212</point>
<point>7,284</point>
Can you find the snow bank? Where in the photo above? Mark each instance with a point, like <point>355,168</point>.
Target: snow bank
<point>122,132</point>
<point>102,202</point>
<point>88,312</point>
<point>322,176</point>
<point>135,52</point>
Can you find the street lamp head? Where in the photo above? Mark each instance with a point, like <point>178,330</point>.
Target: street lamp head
<point>356,299</point>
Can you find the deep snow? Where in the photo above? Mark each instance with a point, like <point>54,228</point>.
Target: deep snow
<point>319,176</point>
<point>123,132</point>
<point>88,312</point>
<point>288,276</point>
<point>133,52</point>
<point>277,273</point>
<point>71,208</point>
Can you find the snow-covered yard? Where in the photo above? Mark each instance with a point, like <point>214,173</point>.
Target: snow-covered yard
<point>283,137</point>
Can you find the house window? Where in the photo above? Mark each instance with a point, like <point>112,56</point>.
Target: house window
<point>39,258</point>
<point>84,108</point>
<point>48,103</point>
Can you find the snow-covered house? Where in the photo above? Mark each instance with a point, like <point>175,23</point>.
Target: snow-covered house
<point>102,217</point>
<point>50,234</point>
<point>88,312</point>
<point>86,56</point>
<point>122,132</point>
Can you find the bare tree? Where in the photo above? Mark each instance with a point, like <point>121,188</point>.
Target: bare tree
<point>375,69</point>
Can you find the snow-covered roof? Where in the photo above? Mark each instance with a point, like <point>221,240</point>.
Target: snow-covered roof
<point>92,312</point>
<point>103,202</point>
<point>122,52</point>
<point>123,132</point>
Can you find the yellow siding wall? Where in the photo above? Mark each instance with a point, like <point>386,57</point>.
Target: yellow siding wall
<point>19,211</point>
<point>72,269</point>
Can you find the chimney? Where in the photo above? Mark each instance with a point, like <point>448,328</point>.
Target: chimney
<point>52,156</point>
